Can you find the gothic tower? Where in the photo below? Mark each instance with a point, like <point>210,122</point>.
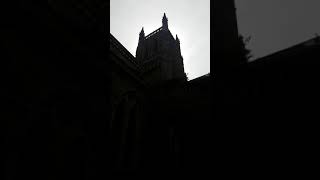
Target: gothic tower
<point>159,55</point>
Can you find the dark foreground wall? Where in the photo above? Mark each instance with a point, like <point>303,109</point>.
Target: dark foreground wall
<point>56,108</point>
<point>269,111</point>
<point>53,96</point>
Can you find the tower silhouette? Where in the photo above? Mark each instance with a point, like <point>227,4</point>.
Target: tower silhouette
<point>159,55</point>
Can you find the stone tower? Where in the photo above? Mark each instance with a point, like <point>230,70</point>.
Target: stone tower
<point>159,55</point>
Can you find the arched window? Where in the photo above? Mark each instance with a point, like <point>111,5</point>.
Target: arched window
<point>124,131</point>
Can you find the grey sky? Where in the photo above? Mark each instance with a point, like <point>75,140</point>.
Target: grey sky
<point>277,24</point>
<point>190,19</point>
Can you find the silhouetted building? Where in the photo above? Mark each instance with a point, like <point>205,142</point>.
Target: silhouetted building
<point>159,55</point>
<point>267,105</point>
<point>154,106</point>
<point>70,111</point>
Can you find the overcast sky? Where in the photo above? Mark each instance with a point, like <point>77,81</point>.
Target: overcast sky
<point>277,24</point>
<point>190,19</point>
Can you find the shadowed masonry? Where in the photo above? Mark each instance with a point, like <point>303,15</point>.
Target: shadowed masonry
<point>153,104</point>
<point>54,93</point>
<point>267,105</point>
<point>77,109</point>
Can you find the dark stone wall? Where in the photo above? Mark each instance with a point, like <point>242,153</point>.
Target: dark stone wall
<point>54,96</point>
<point>57,109</point>
<point>268,109</point>
<point>163,49</point>
<point>174,138</point>
<point>225,36</point>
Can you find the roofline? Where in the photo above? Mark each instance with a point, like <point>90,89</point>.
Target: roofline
<point>154,32</point>
<point>302,44</point>
<point>131,57</point>
<point>201,77</point>
<point>137,68</point>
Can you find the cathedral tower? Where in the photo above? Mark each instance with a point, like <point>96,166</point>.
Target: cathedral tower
<point>159,55</point>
